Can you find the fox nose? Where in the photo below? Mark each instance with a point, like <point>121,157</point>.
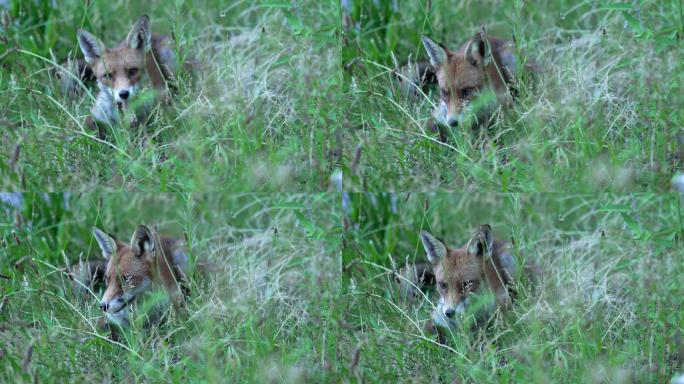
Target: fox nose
<point>104,306</point>
<point>124,95</point>
<point>449,312</point>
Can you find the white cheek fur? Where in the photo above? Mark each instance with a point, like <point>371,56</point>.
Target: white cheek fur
<point>441,112</point>
<point>120,319</point>
<point>104,110</point>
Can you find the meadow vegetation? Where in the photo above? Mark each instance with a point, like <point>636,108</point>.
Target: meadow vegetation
<point>605,308</point>
<point>292,163</point>
<point>602,113</point>
<point>255,116</point>
<point>264,312</point>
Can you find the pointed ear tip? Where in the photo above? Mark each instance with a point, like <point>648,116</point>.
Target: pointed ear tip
<point>144,21</point>
<point>85,33</point>
<point>144,229</point>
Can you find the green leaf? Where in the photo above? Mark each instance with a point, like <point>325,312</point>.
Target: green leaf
<point>634,24</point>
<point>633,226</point>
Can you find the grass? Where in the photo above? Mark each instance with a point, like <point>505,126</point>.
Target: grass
<point>284,305</point>
<point>606,309</point>
<point>255,117</point>
<point>267,314</point>
<point>603,113</point>
<point>291,160</point>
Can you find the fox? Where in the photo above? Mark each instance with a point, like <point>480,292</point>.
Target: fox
<point>147,262</point>
<point>461,274</point>
<point>482,64</point>
<point>142,60</point>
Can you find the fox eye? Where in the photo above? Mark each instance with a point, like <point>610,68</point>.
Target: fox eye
<point>132,71</point>
<point>467,286</point>
<point>467,92</point>
<point>108,76</point>
<point>443,92</point>
<point>442,286</point>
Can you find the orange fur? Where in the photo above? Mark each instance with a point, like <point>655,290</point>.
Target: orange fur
<point>149,260</point>
<point>482,63</point>
<point>466,271</point>
<point>141,60</point>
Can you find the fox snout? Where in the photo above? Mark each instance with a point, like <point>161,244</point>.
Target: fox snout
<point>115,298</point>
<point>123,94</point>
<point>114,305</point>
<point>452,121</point>
<point>450,311</point>
<point>448,117</point>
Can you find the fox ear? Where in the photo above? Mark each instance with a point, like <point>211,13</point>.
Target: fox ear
<point>481,243</point>
<point>106,242</point>
<point>140,36</point>
<point>437,53</point>
<point>91,47</point>
<point>477,51</point>
<point>435,249</point>
<point>143,242</point>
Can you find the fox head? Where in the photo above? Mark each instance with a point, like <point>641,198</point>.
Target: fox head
<point>119,70</point>
<point>462,76</point>
<point>459,273</point>
<point>129,267</point>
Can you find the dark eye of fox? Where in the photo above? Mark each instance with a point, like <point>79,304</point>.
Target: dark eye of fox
<point>467,286</point>
<point>467,92</point>
<point>442,286</point>
<point>132,72</point>
<point>443,92</point>
<point>108,76</point>
<point>128,281</point>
